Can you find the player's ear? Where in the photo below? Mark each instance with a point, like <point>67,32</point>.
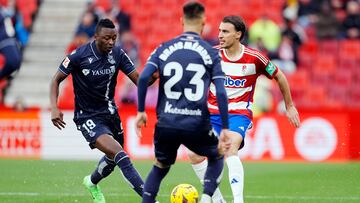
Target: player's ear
<point>238,35</point>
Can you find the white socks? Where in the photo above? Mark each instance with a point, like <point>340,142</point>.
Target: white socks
<point>236,178</point>
<point>200,170</point>
<point>205,198</point>
<point>88,181</point>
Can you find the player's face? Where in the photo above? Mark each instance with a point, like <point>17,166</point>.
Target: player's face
<point>106,39</point>
<point>228,35</point>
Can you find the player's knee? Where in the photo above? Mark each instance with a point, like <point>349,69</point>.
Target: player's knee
<point>195,158</point>
<point>161,165</point>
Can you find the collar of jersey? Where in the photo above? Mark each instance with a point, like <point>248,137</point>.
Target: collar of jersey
<point>95,51</point>
<point>194,34</point>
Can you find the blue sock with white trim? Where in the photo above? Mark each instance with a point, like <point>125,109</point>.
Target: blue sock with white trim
<point>103,169</point>
<point>129,172</point>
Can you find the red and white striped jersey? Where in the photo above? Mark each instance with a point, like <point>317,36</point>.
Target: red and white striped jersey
<point>240,80</point>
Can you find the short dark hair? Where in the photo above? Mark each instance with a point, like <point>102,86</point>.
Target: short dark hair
<point>238,23</point>
<point>104,23</point>
<point>193,10</point>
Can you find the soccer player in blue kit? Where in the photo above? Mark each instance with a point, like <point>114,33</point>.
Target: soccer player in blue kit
<point>8,47</point>
<point>94,68</point>
<point>186,65</point>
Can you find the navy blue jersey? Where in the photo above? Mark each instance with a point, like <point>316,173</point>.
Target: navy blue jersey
<point>3,27</point>
<point>187,64</point>
<point>94,78</point>
<point>7,31</point>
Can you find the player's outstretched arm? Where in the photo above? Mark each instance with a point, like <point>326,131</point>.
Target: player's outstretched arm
<point>291,111</point>
<point>56,114</point>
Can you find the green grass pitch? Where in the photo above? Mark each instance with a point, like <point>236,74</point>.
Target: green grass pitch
<point>24,181</point>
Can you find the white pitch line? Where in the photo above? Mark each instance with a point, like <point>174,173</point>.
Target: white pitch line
<point>283,197</point>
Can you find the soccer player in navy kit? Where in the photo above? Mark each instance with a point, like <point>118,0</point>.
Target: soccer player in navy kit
<point>8,47</point>
<point>186,65</point>
<point>94,68</point>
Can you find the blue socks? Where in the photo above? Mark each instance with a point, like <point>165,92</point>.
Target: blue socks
<point>132,176</point>
<point>103,169</point>
<point>152,183</point>
<point>214,169</point>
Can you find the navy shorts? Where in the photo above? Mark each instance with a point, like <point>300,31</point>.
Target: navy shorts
<point>92,128</point>
<point>168,140</point>
<point>237,123</point>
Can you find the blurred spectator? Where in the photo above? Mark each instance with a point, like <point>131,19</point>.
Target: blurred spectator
<point>123,19</point>
<point>339,7</point>
<point>268,31</point>
<point>286,55</point>
<point>263,98</point>
<point>8,47</point>
<point>130,46</point>
<point>291,9</point>
<point>78,40</point>
<point>351,23</point>
<point>296,34</point>
<point>259,45</point>
<point>307,12</point>
<point>87,24</point>
<point>326,23</point>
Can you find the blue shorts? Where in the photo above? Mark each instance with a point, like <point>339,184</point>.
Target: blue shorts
<point>237,123</point>
<point>92,128</point>
<point>168,140</point>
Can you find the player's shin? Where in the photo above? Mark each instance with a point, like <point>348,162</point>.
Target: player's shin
<point>103,169</point>
<point>236,178</point>
<point>152,183</point>
<point>212,175</point>
<point>200,169</point>
<point>129,172</point>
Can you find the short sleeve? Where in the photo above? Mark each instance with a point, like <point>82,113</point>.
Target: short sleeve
<point>126,65</point>
<point>69,63</point>
<point>153,58</point>
<point>265,66</point>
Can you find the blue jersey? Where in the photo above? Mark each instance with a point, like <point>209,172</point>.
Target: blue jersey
<point>94,78</point>
<point>7,31</point>
<point>186,65</point>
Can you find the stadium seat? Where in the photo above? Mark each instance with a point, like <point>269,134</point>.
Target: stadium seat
<point>350,49</point>
<point>328,46</point>
<point>325,63</point>
<point>3,3</point>
<point>66,97</point>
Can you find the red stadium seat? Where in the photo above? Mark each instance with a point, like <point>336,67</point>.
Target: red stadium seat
<point>66,97</point>
<point>3,3</point>
<point>329,46</point>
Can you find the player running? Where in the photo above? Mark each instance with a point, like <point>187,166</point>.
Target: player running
<point>242,66</point>
<point>94,68</point>
<point>187,65</point>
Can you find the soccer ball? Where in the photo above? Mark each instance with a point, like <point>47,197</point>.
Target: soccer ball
<point>184,193</point>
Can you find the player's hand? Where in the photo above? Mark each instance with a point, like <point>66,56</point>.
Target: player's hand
<point>224,141</point>
<point>293,116</point>
<point>57,118</point>
<point>140,121</point>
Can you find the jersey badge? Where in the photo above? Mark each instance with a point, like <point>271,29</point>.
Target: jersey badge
<point>86,71</point>
<point>90,59</point>
<point>66,62</point>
